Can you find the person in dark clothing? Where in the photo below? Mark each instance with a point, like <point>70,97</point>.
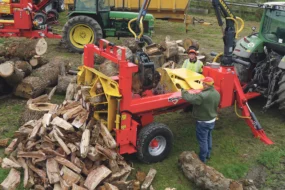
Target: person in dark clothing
<point>205,106</point>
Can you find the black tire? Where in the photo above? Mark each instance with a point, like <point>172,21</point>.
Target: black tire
<point>281,93</point>
<point>79,20</point>
<point>147,39</point>
<point>41,18</point>
<point>53,13</point>
<point>146,135</point>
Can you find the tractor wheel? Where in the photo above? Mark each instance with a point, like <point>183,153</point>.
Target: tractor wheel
<point>147,39</point>
<point>79,31</point>
<point>41,18</point>
<point>154,143</point>
<point>281,93</point>
<point>52,14</point>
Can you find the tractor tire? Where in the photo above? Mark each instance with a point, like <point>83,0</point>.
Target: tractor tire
<point>147,39</point>
<point>79,31</point>
<point>281,93</point>
<point>154,143</point>
<point>53,14</point>
<point>41,18</point>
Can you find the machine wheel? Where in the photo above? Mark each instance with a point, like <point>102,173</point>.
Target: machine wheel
<point>41,18</point>
<point>79,31</point>
<point>147,39</point>
<point>281,93</point>
<point>53,14</point>
<point>154,143</point>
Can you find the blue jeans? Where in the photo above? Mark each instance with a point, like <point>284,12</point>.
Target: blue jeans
<point>204,137</point>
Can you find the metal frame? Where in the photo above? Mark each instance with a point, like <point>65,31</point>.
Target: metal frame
<point>144,108</point>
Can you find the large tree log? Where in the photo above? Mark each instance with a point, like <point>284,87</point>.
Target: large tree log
<point>12,180</point>
<point>24,49</point>
<point>24,66</point>
<point>158,60</point>
<point>34,85</point>
<point>205,176</point>
<point>63,82</point>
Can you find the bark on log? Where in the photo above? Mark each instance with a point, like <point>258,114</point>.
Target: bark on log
<point>171,49</point>
<point>12,180</point>
<point>37,61</point>
<point>153,49</point>
<point>131,44</point>
<point>96,176</point>
<point>34,85</point>
<point>205,176</point>
<point>25,49</point>
<point>24,66</point>
<point>158,60</point>
<point>63,82</point>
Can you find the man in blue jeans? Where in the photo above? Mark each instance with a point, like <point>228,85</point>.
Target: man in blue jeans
<point>205,106</point>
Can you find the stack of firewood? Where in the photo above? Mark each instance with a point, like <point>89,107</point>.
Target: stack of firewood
<point>66,148</point>
<point>25,72</point>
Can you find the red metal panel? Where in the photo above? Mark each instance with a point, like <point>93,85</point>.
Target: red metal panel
<point>224,83</point>
<point>22,19</point>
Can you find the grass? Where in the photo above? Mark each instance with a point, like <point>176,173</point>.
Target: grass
<point>235,151</point>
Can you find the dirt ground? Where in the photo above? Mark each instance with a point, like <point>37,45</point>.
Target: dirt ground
<point>235,153</point>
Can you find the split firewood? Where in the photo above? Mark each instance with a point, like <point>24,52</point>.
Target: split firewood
<point>32,154</point>
<point>50,95</point>
<point>39,172</point>
<point>62,124</point>
<point>4,142</point>
<point>151,188</point>
<point>8,164</point>
<point>80,120</point>
<point>84,145</point>
<point>64,185</point>
<point>39,187</point>
<point>70,91</point>
<point>107,137</point>
<point>69,176</point>
<point>205,176</point>
<point>123,184</point>
<point>110,154</point>
<point>11,146</point>
<point>76,187</point>
<point>109,186</point>
<point>72,113</point>
<point>67,163</point>
<point>179,43</point>
<point>45,123</point>
<point>35,130</point>
<point>96,176</point>
<point>52,171</point>
<point>49,151</point>
<point>66,107</point>
<point>136,185</point>
<point>35,84</point>
<point>72,147</point>
<point>12,181</point>
<point>63,82</point>
<point>78,95</point>
<point>85,90</point>
<point>121,173</point>
<point>26,171</point>
<point>149,178</point>
<point>57,187</point>
<point>61,143</point>
<point>113,165</point>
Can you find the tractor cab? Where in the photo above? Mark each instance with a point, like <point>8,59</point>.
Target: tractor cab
<point>273,27</point>
<point>97,5</point>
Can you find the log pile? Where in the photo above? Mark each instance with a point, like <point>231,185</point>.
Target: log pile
<point>26,73</point>
<point>206,177</point>
<point>67,149</point>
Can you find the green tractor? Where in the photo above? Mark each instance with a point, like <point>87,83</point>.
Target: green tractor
<point>265,51</point>
<point>92,20</point>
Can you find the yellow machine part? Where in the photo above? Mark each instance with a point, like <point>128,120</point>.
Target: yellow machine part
<point>103,88</point>
<point>5,8</point>
<point>174,79</point>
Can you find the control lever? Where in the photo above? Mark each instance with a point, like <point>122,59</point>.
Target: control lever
<point>244,63</point>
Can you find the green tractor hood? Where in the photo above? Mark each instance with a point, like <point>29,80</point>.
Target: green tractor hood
<point>131,15</point>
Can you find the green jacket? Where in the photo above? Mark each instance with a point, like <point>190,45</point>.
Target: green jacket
<point>205,103</point>
<point>193,66</point>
